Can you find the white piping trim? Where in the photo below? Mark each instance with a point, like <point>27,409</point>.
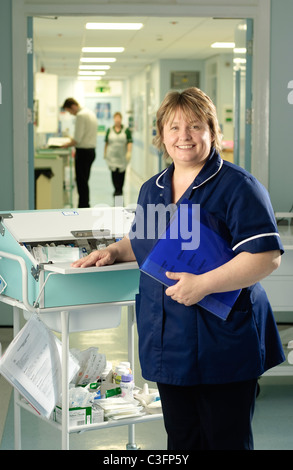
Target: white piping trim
<point>276,234</point>
<point>221,164</point>
<point>194,187</point>
<point>160,177</point>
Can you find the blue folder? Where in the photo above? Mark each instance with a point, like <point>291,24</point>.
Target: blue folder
<point>206,249</point>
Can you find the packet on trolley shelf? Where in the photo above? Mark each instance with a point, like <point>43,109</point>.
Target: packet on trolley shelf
<point>92,365</point>
<point>119,408</point>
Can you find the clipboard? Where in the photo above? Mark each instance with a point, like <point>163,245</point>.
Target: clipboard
<point>206,249</point>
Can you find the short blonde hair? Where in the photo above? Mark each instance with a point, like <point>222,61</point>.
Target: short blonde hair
<point>194,103</point>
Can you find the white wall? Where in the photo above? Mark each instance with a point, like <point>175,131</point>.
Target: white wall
<point>281,106</point>
<point>138,106</point>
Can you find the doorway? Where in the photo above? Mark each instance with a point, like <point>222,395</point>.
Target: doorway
<point>262,26</point>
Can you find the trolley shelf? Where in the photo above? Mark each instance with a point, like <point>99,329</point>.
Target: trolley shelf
<point>95,426</point>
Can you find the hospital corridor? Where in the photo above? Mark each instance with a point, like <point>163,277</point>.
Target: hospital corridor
<point>146,226</point>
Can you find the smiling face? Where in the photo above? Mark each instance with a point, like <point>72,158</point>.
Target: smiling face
<point>197,109</point>
<point>187,142</point>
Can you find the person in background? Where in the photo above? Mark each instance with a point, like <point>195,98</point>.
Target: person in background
<point>118,146</point>
<point>84,141</point>
<point>206,368</point>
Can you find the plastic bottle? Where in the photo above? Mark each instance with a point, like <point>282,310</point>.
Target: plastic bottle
<point>119,371</point>
<point>127,386</point>
<point>126,364</point>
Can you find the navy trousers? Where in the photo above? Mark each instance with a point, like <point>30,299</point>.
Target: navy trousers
<point>83,162</point>
<point>209,417</point>
<point>118,181</point>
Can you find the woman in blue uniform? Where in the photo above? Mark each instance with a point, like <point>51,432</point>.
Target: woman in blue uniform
<point>206,368</point>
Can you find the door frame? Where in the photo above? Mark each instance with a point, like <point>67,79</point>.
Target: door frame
<point>259,13</point>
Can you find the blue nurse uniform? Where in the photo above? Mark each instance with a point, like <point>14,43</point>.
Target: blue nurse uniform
<point>180,345</point>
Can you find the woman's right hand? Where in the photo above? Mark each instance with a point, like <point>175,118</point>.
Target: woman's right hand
<point>96,258</point>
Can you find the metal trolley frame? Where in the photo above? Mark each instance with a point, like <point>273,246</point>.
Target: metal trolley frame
<point>64,313</point>
<point>68,299</point>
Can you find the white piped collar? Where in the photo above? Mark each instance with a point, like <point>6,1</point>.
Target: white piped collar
<point>215,168</point>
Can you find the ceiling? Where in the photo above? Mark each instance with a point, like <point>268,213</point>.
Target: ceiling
<point>58,42</point>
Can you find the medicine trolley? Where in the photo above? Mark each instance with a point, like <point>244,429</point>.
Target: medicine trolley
<point>36,279</point>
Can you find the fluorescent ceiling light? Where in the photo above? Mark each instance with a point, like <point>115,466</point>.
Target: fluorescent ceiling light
<point>237,60</point>
<point>89,78</point>
<point>94,67</point>
<point>240,50</point>
<point>87,72</point>
<point>121,26</point>
<point>102,49</point>
<point>98,59</point>
<point>224,45</point>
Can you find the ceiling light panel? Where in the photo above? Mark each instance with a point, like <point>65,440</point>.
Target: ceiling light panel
<point>88,72</point>
<point>238,60</point>
<point>223,45</point>
<point>97,59</point>
<point>115,26</point>
<point>240,50</point>
<point>103,49</point>
<point>94,67</point>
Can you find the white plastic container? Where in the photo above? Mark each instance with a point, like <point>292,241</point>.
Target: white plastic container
<point>127,386</point>
<point>119,371</point>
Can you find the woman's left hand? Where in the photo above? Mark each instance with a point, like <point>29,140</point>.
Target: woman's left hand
<point>187,290</point>
<point>241,271</point>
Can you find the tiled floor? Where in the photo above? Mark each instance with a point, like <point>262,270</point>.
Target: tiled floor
<point>274,407</point>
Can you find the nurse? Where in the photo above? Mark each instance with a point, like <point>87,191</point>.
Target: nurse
<point>206,368</point>
<point>117,152</point>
